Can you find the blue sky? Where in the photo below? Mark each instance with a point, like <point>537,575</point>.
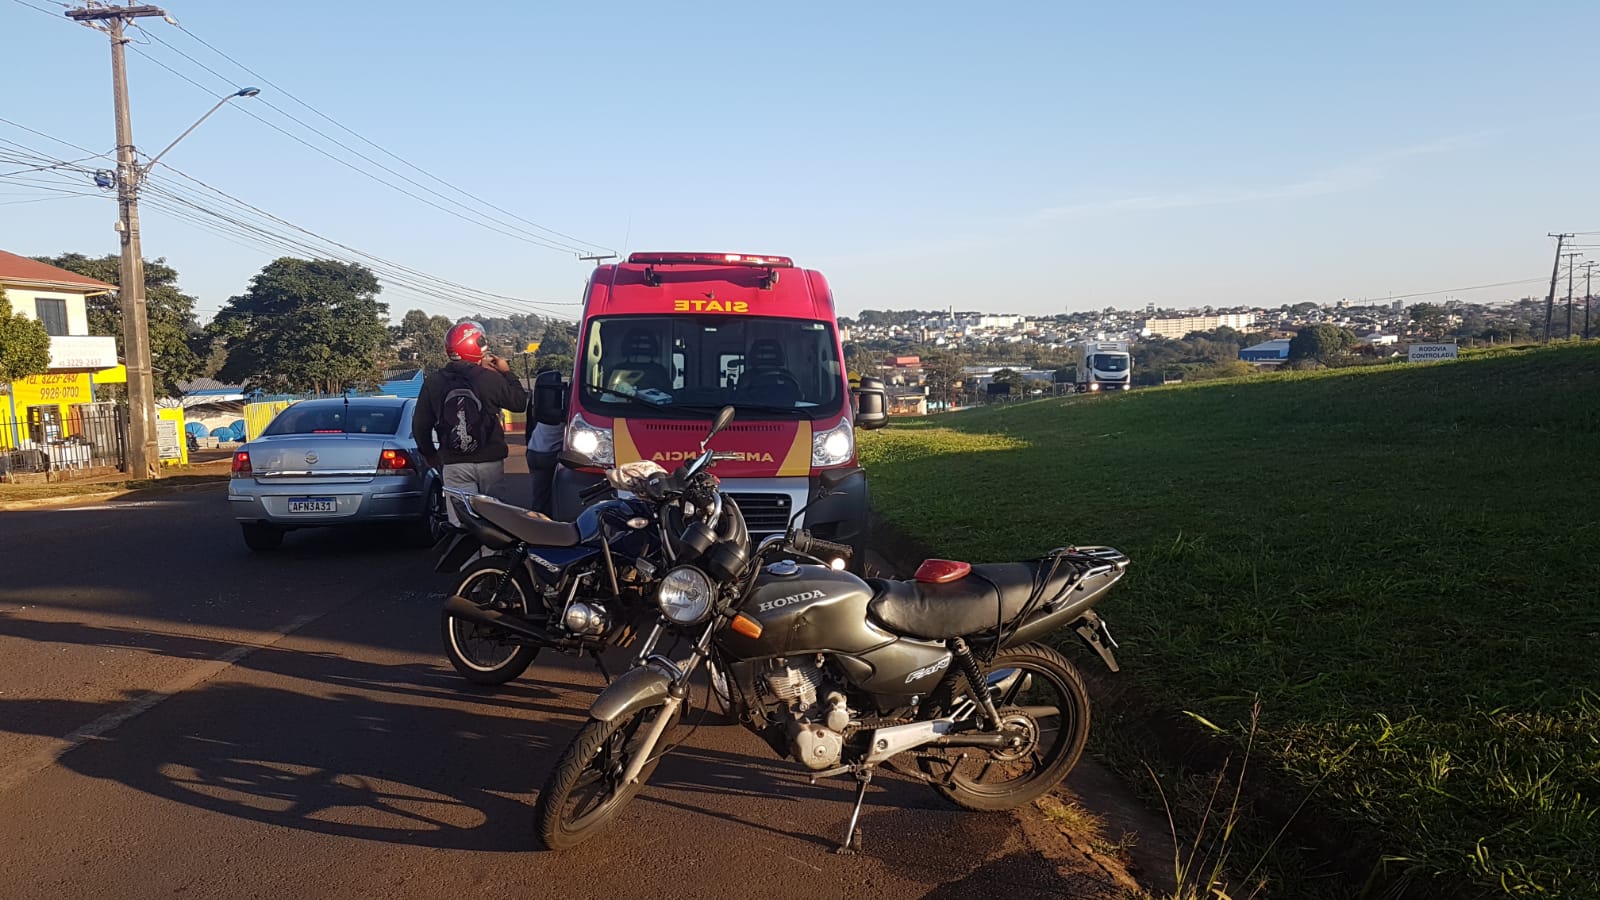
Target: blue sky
<point>1033,157</point>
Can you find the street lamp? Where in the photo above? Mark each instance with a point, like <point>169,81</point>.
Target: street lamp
<point>242,92</point>
<point>144,455</point>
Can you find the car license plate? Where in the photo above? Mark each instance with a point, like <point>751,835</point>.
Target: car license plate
<point>312,505</point>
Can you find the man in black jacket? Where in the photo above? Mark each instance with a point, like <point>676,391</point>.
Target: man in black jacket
<point>457,423</point>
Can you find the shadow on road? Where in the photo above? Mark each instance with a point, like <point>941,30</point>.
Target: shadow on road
<point>403,754</point>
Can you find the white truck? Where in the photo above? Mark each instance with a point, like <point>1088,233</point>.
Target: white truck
<point>1104,366</point>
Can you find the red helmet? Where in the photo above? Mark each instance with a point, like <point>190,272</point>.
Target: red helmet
<point>466,341</point>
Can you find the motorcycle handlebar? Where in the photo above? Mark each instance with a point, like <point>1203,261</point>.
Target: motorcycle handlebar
<point>805,542</point>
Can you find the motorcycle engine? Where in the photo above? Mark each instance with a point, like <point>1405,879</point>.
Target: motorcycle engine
<point>586,619</point>
<point>816,712</point>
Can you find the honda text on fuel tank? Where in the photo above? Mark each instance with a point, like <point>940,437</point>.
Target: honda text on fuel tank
<point>668,339</point>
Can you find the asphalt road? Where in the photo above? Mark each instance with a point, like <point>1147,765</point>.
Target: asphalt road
<point>182,717</point>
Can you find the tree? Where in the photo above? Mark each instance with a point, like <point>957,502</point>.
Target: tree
<point>172,325</point>
<point>1430,318</point>
<point>419,340</point>
<point>1323,343</point>
<point>557,348</point>
<point>24,344</point>
<point>305,325</point>
<point>941,373</point>
<point>1006,376</point>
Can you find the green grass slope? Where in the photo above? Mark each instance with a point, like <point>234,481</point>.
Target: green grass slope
<point>1403,562</point>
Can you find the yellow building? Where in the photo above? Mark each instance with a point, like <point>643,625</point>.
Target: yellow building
<point>52,420</point>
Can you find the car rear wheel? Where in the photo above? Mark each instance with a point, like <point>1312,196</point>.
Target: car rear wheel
<point>427,531</point>
<point>261,537</point>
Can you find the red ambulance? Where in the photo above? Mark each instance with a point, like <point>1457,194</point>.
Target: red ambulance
<point>668,339</point>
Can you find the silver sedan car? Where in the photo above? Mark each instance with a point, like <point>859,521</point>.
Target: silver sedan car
<point>346,461</point>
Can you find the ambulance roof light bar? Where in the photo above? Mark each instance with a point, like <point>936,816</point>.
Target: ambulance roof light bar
<point>711,259</point>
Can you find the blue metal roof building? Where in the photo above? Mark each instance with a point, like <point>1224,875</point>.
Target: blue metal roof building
<point>1266,352</point>
<point>402,384</point>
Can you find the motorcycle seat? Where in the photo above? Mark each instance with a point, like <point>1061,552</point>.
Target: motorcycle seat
<point>524,525</point>
<point>990,595</point>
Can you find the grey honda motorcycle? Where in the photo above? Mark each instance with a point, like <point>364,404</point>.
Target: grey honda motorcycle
<point>942,678</point>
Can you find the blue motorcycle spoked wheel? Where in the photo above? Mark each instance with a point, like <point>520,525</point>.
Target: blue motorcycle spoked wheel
<point>484,654</point>
<point>1040,698</point>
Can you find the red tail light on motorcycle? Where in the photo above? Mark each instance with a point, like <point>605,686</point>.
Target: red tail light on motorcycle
<point>395,462</point>
<point>241,464</point>
<point>942,571</point>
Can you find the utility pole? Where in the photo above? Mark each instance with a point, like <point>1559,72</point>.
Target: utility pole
<point>1588,295</point>
<point>1571,264</point>
<point>598,258</point>
<point>144,458</point>
<point>1555,271</point>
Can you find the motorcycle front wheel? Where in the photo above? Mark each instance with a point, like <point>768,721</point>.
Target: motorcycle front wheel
<point>585,791</point>
<point>484,654</point>
<point>1035,690</point>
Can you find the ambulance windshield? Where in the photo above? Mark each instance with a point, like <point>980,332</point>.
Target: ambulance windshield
<point>784,366</point>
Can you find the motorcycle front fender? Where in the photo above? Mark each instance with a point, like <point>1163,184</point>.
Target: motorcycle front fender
<point>638,688</point>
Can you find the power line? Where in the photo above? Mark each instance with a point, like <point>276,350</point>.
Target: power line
<point>38,9</point>
<point>215,211</point>
<point>518,233</point>
<point>380,148</point>
<point>50,136</point>
<point>392,274</point>
<point>355,168</point>
<point>307,232</point>
<point>64,195</point>
<point>1462,290</point>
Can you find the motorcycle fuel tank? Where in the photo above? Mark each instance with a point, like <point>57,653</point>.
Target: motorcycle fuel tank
<point>814,609</point>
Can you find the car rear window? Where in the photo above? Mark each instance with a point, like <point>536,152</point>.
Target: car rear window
<point>357,418</point>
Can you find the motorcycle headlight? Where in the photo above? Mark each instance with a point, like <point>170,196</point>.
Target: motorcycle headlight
<point>592,442</point>
<point>685,596</point>
<point>834,446</point>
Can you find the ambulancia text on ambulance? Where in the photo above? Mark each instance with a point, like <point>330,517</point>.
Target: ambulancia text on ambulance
<point>668,339</point>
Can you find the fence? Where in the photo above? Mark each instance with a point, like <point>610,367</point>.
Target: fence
<point>45,440</point>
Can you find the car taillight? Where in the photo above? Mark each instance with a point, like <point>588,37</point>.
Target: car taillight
<point>395,462</point>
<point>241,464</point>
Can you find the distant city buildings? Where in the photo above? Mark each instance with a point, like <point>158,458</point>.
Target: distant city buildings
<point>1380,324</point>
<point>1177,327</point>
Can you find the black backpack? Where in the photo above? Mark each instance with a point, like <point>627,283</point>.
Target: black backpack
<point>463,420</point>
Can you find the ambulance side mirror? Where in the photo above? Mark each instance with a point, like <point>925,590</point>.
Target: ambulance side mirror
<point>547,405</point>
<point>872,404</point>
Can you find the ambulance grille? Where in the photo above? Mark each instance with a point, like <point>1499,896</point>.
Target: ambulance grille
<point>764,513</point>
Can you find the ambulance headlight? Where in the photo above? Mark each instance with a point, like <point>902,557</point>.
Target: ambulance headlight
<point>592,442</point>
<point>834,446</point>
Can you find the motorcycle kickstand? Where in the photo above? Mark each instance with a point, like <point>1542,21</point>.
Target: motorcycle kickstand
<point>601,664</point>
<point>853,835</point>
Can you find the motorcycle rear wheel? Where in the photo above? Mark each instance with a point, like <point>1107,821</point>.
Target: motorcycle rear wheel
<point>484,654</point>
<point>584,793</point>
<point>1049,701</point>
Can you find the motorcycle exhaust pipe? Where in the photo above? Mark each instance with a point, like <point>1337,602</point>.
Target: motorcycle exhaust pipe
<point>462,608</point>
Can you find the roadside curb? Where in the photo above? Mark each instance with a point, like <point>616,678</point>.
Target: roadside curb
<point>113,494</point>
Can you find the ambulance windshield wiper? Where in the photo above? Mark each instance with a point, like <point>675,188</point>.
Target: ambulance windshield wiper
<point>799,411</point>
